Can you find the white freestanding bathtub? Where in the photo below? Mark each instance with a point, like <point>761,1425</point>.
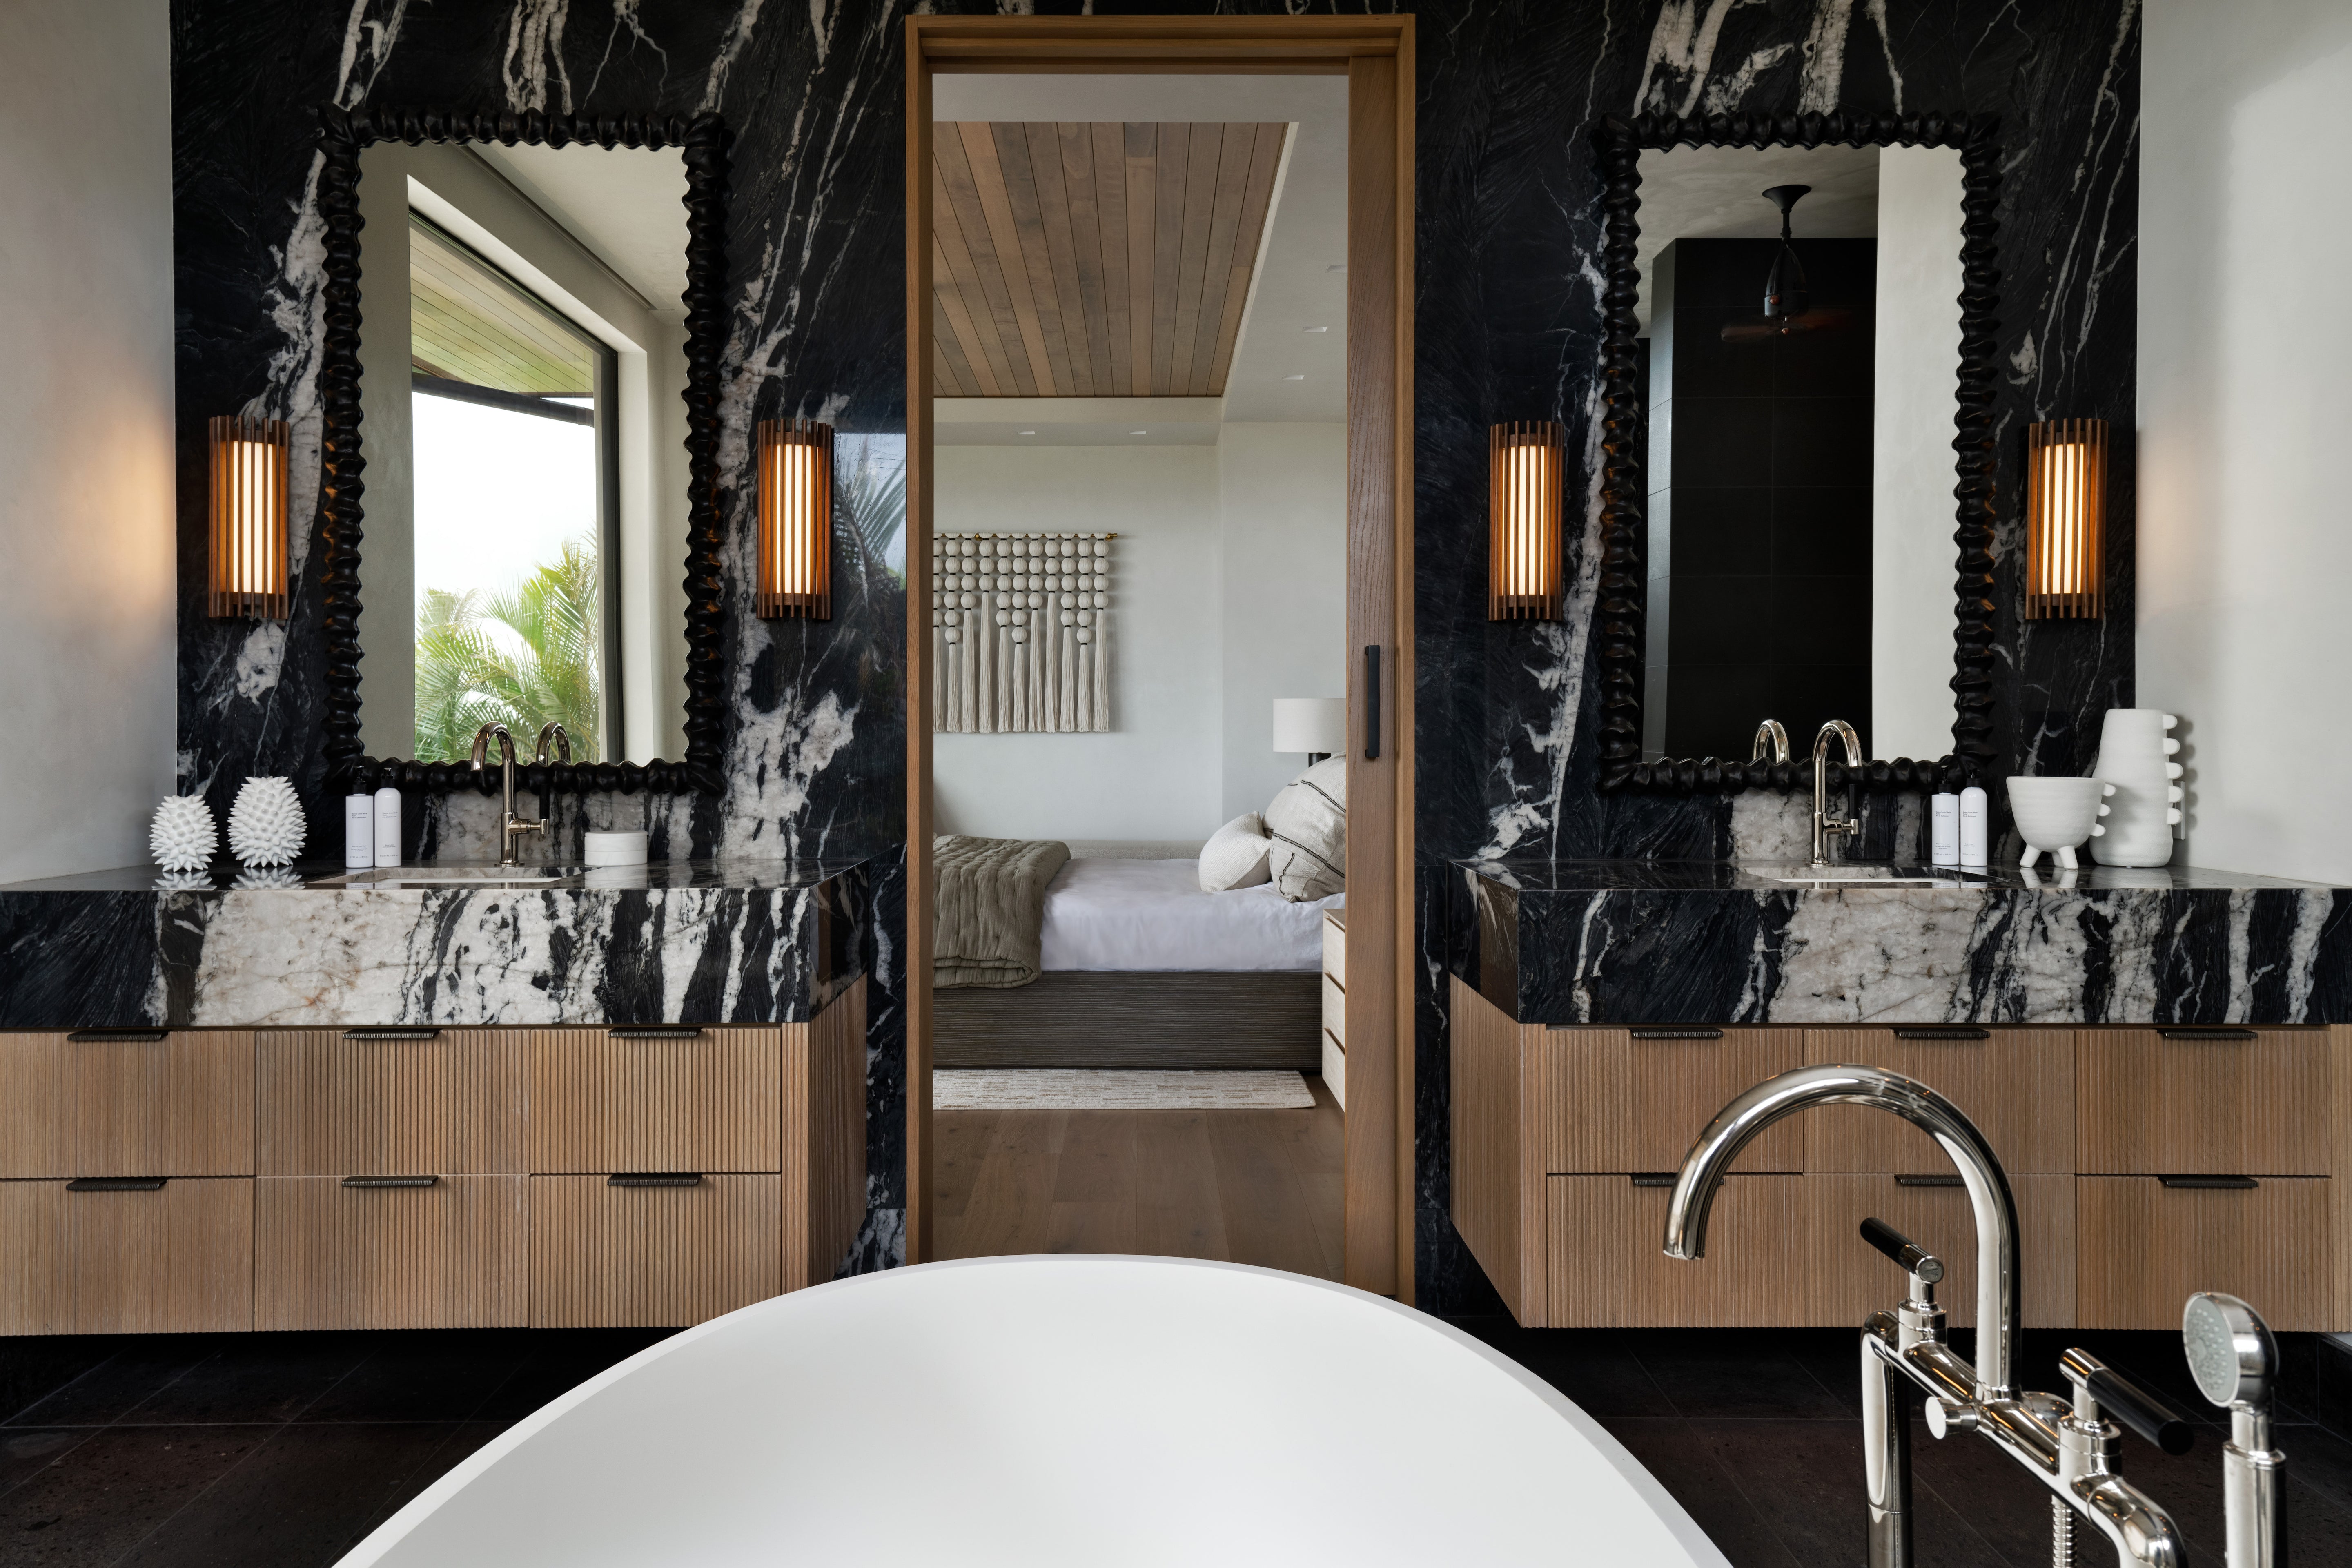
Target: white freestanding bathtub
<point>1047,1411</point>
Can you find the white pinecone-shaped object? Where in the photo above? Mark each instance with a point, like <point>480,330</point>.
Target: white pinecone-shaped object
<point>265,825</point>
<point>182,837</point>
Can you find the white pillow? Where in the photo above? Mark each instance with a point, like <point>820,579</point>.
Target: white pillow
<point>1309,823</point>
<point>1235,856</point>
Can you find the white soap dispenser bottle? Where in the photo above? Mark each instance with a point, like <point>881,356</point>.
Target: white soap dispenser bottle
<point>387,827</point>
<point>359,831</point>
<point>1944,836</point>
<point>1973,847</point>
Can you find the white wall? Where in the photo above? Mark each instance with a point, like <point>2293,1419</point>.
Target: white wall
<point>1229,590</point>
<point>1154,774</point>
<point>2244,533</point>
<point>1283,502</point>
<point>1914,468</point>
<point>88,618</point>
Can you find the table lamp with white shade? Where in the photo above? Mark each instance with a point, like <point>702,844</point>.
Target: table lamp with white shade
<point>1314,725</point>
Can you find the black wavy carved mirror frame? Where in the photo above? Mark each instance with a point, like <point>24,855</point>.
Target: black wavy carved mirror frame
<point>702,140</point>
<point>1622,603</point>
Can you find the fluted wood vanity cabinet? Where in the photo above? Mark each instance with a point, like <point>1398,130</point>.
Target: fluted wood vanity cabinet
<point>2147,1163</point>
<point>426,1178</point>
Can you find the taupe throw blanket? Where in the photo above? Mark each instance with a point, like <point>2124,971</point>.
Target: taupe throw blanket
<point>992,904</point>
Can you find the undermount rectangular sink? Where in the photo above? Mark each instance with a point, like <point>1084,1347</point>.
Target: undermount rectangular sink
<point>448,876</point>
<point>1849,880</point>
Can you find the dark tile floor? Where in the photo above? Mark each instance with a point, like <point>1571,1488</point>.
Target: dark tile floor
<point>1759,1434</point>
<point>282,1450</point>
<point>258,1450</point>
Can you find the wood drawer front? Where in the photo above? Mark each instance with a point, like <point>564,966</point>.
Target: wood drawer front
<point>1851,1279</point>
<point>178,1104</point>
<point>1606,1266</point>
<point>2145,1247</point>
<point>174,1259</point>
<point>1615,1103</point>
<point>1335,1010</point>
<point>604,1102</point>
<point>1334,946</point>
<point>1334,1070</point>
<point>332,1104</point>
<point>823,1188</point>
<point>2017,1085</point>
<point>449,1255</point>
<point>2150,1105</point>
<point>607,1256</point>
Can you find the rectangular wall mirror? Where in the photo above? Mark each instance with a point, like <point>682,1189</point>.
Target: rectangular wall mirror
<point>529,420</point>
<point>1796,378</point>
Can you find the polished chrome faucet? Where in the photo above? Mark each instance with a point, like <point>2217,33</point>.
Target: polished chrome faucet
<point>1826,827</point>
<point>2068,1443</point>
<point>1769,737</point>
<point>513,827</point>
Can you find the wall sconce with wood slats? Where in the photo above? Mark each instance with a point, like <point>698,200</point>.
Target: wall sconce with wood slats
<point>795,564</point>
<point>1525,461</point>
<point>247,518</point>
<point>2065,519</point>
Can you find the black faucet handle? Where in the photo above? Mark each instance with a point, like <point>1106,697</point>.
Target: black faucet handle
<point>2142,1413</point>
<point>1913,1258</point>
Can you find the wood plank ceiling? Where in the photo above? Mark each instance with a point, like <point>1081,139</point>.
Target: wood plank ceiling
<point>1094,260</point>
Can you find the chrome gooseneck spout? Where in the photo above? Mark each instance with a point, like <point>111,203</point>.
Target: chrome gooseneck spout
<point>1988,1187</point>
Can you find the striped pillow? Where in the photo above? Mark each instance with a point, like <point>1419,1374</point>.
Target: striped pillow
<point>1309,823</point>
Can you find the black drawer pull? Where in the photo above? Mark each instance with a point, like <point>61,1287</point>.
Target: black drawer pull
<point>1678,1034</point>
<point>2211,1183</point>
<point>1947,1181</point>
<point>1653,1178</point>
<point>653,1179</point>
<point>2208,1033</point>
<point>123,1036</point>
<point>1942,1033</point>
<point>391,1180</point>
<point>660,1032</point>
<point>117,1184</point>
<point>391,1034</point>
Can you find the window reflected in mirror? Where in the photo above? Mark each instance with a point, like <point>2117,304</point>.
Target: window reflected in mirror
<point>510,426</point>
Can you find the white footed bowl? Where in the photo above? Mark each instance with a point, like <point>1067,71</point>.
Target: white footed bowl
<point>2056,814</point>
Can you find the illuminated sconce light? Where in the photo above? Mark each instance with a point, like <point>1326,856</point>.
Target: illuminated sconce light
<point>795,564</point>
<point>249,518</point>
<point>1525,464</point>
<point>2066,516</point>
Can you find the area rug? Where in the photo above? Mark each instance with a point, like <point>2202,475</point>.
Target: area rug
<point>1087,1089</point>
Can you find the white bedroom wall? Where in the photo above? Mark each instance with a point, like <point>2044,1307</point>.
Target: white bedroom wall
<point>2242,548</point>
<point>1913,466</point>
<point>1155,774</point>
<point>86,542</point>
<point>1282,495</point>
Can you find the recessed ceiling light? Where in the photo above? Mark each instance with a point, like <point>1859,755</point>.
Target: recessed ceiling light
<point>1293,378</point>
<point>1314,329</point>
<point>1139,432</point>
<point>1028,432</point>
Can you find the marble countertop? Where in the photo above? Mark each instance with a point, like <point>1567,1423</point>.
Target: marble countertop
<point>690,941</point>
<point>1662,941</point>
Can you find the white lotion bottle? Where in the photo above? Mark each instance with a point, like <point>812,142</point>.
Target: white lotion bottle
<point>1973,852</point>
<point>387,827</point>
<point>359,831</point>
<point>1943,834</point>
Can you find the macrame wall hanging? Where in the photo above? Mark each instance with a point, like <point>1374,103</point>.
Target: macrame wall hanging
<point>1020,632</point>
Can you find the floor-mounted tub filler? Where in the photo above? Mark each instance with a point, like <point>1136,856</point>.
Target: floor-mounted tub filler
<point>2068,1443</point>
<point>1056,1410</point>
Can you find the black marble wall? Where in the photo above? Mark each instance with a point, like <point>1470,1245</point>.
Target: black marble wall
<point>1508,321</point>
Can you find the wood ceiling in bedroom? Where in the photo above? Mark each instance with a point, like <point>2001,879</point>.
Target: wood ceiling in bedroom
<point>1095,260</point>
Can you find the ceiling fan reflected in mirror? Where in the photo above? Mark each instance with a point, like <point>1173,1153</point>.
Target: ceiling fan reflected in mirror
<point>1788,308</point>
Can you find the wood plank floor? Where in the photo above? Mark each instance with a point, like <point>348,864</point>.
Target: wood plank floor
<point>1243,1186</point>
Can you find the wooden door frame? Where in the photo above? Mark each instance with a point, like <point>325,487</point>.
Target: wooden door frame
<point>1375,55</point>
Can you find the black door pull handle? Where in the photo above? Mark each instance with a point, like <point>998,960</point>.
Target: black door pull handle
<point>1372,702</point>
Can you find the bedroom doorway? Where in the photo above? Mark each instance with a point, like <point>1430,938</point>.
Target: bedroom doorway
<point>1159,551</point>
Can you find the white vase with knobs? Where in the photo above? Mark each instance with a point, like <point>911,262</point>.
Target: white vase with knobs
<point>2136,752</point>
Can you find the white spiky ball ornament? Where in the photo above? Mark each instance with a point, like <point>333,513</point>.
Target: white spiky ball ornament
<point>182,836</point>
<point>255,878</point>
<point>266,825</point>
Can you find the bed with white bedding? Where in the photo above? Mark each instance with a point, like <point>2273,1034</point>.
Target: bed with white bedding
<point>1142,968</point>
